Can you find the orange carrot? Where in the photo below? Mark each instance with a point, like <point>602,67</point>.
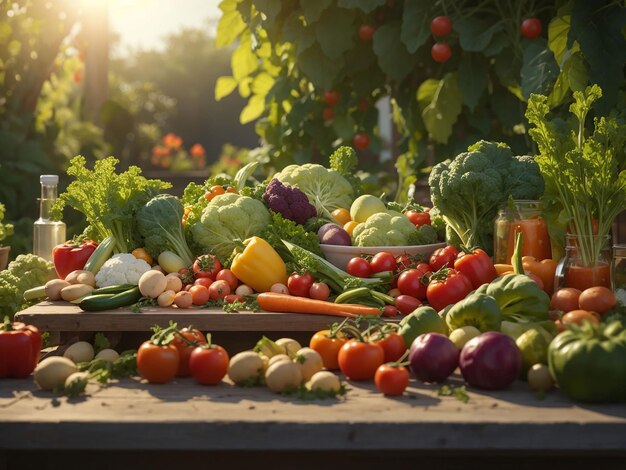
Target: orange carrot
<point>274,302</point>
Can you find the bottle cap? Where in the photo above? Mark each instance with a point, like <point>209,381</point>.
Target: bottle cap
<point>49,179</point>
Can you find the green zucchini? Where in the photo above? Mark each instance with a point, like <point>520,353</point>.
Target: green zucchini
<point>99,302</point>
<point>102,253</point>
<point>117,289</point>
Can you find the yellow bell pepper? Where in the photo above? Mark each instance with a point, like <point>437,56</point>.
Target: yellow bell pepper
<point>259,265</point>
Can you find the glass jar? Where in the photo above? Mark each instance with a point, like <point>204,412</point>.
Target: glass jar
<point>587,262</point>
<point>618,271</point>
<point>525,217</point>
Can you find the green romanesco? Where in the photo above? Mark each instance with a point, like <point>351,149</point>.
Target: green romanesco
<point>228,219</point>
<point>25,272</point>
<point>384,229</point>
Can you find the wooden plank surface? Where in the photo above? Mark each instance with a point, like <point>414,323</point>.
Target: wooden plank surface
<point>63,316</point>
<point>185,416</point>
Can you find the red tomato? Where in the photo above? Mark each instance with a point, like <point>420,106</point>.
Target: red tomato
<point>404,262</point>
<point>361,141</point>
<point>441,52</point>
<point>383,261</point>
<point>232,298</point>
<point>477,266</point>
<point>441,26</point>
<point>578,317</point>
<point>600,299</point>
<point>413,282</point>
<point>328,114</point>
<point>359,361</point>
<point>531,28</point>
<point>186,275</point>
<point>393,345</point>
<point>228,276</point>
<point>157,364</point>
<point>391,380</point>
<point>406,303</point>
<point>182,343</point>
<point>390,311</point>
<point>208,364</point>
<point>331,97</point>
<point>565,299</point>
<point>366,32</point>
<point>319,291</point>
<point>418,218</point>
<point>359,267</point>
<point>447,288</point>
<point>202,281</point>
<point>300,284</point>
<point>206,266</point>
<point>443,257</point>
<point>199,295</point>
<point>219,290</point>
<point>328,347</point>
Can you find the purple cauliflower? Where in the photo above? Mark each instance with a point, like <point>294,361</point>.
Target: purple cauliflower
<point>288,201</point>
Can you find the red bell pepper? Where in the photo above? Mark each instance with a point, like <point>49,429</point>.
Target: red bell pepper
<point>69,256</point>
<point>20,346</point>
<point>477,266</point>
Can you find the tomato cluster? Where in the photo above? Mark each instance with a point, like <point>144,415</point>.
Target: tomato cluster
<point>441,27</point>
<point>573,306</point>
<point>304,285</point>
<point>218,190</point>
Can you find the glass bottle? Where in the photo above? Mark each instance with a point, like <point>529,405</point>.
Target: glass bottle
<point>522,216</point>
<point>618,271</point>
<point>47,233</point>
<point>587,262</point>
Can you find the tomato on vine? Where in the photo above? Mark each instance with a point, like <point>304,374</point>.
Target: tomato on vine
<point>531,28</point>
<point>441,52</point>
<point>366,32</point>
<point>331,97</point>
<point>361,141</point>
<point>441,26</point>
<point>359,267</point>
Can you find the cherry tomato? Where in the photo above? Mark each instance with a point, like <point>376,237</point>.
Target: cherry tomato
<point>443,257</point>
<point>300,284</point>
<point>206,266</point>
<point>441,26</point>
<point>157,364</point>
<point>231,298</point>
<point>393,345</point>
<point>477,266</point>
<point>341,215</point>
<point>199,294</point>
<point>359,360</point>
<point>228,276</point>
<point>202,281</point>
<point>328,347</point>
<point>414,281</point>
<point>406,303</point>
<point>565,299</point>
<point>359,267</point>
<point>328,114</point>
<point>391,380</point>
<point>192,335</point>
<point>231,189</point>
<point>405,262</point>
<point>531,28</point>
<point>578,317</point>
<point>599,299</point>
<point>331,97</point>
<point>447,288</point>
<point>441,52</point>
<point>219,290</point>
<point>418,218</point>
<point>390,311</point>
<point>208,364</point>
<point>383,261</point>
<point>319,291</point>
<point>366,32</point>
<point>361,141</point>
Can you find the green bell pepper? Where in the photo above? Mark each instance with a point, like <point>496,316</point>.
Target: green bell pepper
<point>519,297</point>
<point>478,310</point>
<point>589,362</point>
<point>422,320</point>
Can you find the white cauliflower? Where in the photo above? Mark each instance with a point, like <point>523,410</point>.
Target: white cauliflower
<point>122,268</point>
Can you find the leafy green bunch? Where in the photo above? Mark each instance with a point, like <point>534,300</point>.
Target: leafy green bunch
<point>6,230</point>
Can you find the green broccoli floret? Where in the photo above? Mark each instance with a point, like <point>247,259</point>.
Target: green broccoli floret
<point>424,235</point>
<point>226,220</point>
<point>468,190</point>
<point>384,229</point>
<point>344,160</point>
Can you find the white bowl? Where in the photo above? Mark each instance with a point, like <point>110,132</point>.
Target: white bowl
<point>339,255</point>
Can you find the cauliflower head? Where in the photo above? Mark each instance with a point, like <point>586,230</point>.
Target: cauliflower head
<point>122,268</point>
<point>384,229</point>
<point>228,219</point>
<point>326,189</point>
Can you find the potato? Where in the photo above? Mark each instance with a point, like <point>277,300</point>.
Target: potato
<point>166,298</point>
<point>282,376</point>
<point>80,276</point>
<point>325,381</point>
<point>110,355</point>
<point>152,284</point>
<point>81,351</point>
<point>277,358</point>
<point>53,288</point>
<point>53,371</point>
<point>75,291</point>
<point>173,282</point>
<point>291,345</point>
<point>183,299</point>
<point>309,361</point>
<point>244,367</point>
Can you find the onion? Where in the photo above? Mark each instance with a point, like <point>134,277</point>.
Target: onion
<point>433,357</point>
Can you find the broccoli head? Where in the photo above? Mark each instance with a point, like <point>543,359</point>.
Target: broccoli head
<point>385,229</point>
<point>288,201</point>
<point>226,220</point>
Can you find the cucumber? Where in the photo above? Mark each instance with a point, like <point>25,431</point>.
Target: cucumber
<point>352,295</point>
<point>99,302</point>
<point>102,253</point>
<point>117,289</point>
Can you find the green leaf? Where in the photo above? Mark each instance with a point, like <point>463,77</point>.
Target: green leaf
<point>262,84</point>
<point>416,17</point>
<point>558,31</point>
<point>576,71</point>
<point>364,5</point>
<point>243,61</point>
<point>539,69</point>
<point>475,34</point>
<point>344,126</point>
<point>224,87</point>
<point>320,69</point>
<point>230,26</point>
<point>270,8</point>
<point>507,67</point>
<point>334,31</point>
<point>559,91</point>
<point>499,42</point>
<point>443,109</point>
<point>312,10</point>
<point>506,107</point>
<point>393,57</point>
<point>254,109</point>
<point>295,32</point>
<point>472,78</point>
